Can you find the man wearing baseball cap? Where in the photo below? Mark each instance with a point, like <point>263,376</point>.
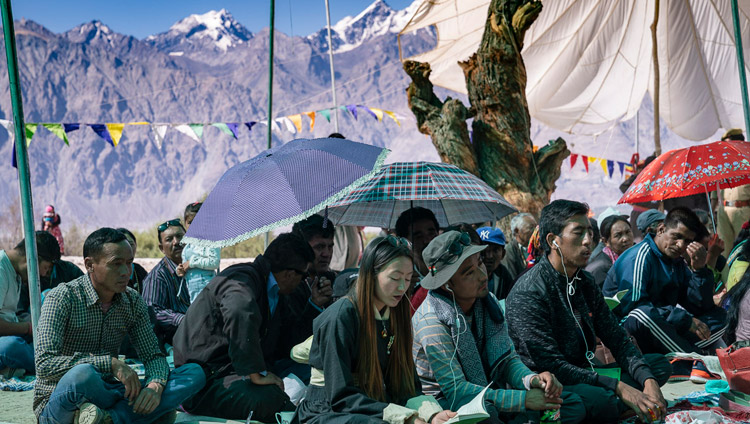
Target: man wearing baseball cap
<point>461,341</point>
<point>500,281</point>
<point>649,221</point>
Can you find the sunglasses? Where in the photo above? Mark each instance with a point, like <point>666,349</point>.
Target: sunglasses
<point>397,241</point>
<point>170,223</point>
<point>454,249</point>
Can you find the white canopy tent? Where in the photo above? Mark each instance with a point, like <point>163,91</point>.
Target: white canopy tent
<point>589,63</point>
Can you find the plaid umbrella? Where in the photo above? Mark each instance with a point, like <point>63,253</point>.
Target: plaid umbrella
<point>454,195</point>
<point>280,187</point>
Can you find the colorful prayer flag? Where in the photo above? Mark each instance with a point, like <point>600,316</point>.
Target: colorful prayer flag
<point>573,159</point>
<point>610,168</point>
<point>297,121</point>
<point>102,131</point>
<point>393,116</point>
<point>378,113</point>
<point>224,128</point>
<point>197,129</point>
<point>185,129</point>
<point>57,129</point>
<point>250,125</point>
<point>311,115</point>
<point>115,131</point>
<point>159,131</point>
<point>233,127</point>
<point>326,113</point>
<point>353,110</point>
<point>30,131</point>
<point>585,160</point>
<point>70,127</point>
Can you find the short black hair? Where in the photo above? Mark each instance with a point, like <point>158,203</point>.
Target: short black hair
<point>312,227</point>
<point>595,229</point>
<point>95,242</point>
<point>47,247</point>
<point>336,135</point>
<point>127,233</point>
<point>609,222</point>
<point>288,250</point>
<point>686,217</point>
<point>471,231</point>
<point>408,216</point>
<point>191,209</point>
<point>554,217</point>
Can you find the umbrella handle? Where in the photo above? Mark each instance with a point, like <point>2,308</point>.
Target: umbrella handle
<point>711,209</point>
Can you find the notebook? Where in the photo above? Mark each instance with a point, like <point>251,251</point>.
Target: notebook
<point>472,412</point>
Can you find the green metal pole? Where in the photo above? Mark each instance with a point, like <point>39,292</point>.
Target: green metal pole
<point>270,77</point>
<point>741,62</point>
<point>270,91</point>
<point>22,158</point>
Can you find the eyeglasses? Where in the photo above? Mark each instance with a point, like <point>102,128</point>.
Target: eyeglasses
<point>170,223</point>
<point>455,249</point>
<point>303,274</point>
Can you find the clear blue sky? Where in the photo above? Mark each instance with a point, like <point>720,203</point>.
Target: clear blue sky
<point>141,18</point>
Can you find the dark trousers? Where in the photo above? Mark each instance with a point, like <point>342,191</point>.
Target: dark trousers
<point>602,405</point>
<point>655,335</point>
<point>233,397</point>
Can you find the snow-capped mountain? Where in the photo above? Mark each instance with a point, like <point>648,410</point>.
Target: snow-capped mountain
<point>214,29</point>
<point>376,20</point>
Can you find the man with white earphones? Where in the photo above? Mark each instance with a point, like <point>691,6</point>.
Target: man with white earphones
<point>556,312</point>
<point>461,341</point>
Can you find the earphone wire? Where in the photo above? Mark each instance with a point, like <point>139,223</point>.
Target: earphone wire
<point>568,288</point>
<point>455,346</point>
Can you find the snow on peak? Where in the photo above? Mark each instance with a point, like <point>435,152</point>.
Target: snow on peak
<point>218,26</point>
<point>377,19</point>
<point>92,32</point>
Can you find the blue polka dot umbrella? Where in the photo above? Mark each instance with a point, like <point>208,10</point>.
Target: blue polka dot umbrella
<point>281,186</point>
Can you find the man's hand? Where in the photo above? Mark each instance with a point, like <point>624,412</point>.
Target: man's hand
<point>547,382</point>
<point>442,417</point>
<point>715,249</point>
<point>125,375</point>
<point>537,401</point>
<point>148,399</point>
<point>700,329</point>
<point>653,391</point>
<point>697,254</point>
<point>268,379</point>
<point>645,406</point>
<point>321,291</point>
<point>182,269</point>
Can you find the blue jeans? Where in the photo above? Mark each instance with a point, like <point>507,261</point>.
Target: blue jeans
<point>83,383</point>
<point>15,352</point>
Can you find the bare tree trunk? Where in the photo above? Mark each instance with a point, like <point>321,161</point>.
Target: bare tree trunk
<point>500,150</point>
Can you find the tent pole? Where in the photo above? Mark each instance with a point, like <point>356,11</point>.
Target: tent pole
<point>22,156</point>
<point>655,58</point>
<point>333,75</point>
<point>270,93</point>
<point>741,63</point>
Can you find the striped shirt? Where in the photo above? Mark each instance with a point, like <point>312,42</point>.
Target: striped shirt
<point>440,370</point>
<point>73,329</point>
<point>167,294</point>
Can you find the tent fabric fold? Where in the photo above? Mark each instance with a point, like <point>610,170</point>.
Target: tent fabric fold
<point>589,64</point>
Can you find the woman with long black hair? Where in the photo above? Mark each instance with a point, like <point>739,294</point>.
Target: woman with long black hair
<point>361,355</point>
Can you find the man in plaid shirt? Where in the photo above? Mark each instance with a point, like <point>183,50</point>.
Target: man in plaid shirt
<point>80,331</point>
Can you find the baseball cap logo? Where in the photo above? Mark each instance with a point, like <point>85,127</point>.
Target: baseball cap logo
<point>484,234</point>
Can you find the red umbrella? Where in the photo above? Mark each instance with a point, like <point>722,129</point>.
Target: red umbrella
<point>692,170</point>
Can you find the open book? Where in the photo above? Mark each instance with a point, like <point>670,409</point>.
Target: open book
<point>472,412</point>
<point>614,301</point>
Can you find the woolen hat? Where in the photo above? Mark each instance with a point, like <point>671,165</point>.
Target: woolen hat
<point>491,235</point>
<point>444,255</point>
<point>649,217</point>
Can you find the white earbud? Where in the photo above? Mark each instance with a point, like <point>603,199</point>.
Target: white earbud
<point>554,243</point>
<point>449,288</point>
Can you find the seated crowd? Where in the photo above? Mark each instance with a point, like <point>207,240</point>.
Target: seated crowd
<point>448,314</point>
